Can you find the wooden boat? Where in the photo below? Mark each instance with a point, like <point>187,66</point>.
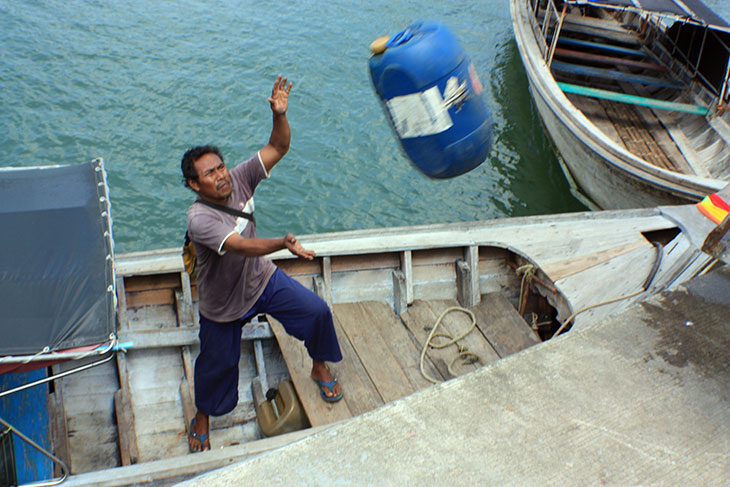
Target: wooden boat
<point>633,100</point>
<point>123,422</point>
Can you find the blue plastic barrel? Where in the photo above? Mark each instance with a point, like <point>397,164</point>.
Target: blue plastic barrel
<point>432,96</point>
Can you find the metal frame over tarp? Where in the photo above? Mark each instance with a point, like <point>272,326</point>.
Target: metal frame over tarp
<point>57,282</point>
<point>690,10</point>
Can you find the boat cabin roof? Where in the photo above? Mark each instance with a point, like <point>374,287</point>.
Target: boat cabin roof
<point>57,270</point>
<point>689,10</point>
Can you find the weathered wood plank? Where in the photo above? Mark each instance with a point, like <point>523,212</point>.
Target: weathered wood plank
<point>503,326</point>
<point>358,322</point>
<point>148,298</point>
<point>373,284</point>
<point>404,349</point>
<point>135,284</point>
<point>158,417</point>
<point>456,323</point>
<point>318,411</point>
<point>126,428</point>
<point>152,317</point>
<point>569,267</point>
<point>186,464</point>
<point>621,276</point>
<point>150,262</point>
<point>419,319</point>
<point>91,451</point>
<point>360,394</point>
<point>349,263</point>
<point>59,430</point>
<point>184,336</point>
<point>430,257</point>
<point>125,421</point>
<point>299,267</point>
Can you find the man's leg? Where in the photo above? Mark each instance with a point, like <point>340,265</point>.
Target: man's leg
<point>307,317</point>
<point>216,376</point>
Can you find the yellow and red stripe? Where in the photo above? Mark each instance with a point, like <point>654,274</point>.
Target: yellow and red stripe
<point>714,207</point>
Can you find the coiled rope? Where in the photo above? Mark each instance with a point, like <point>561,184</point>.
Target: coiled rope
<point>451,341</point>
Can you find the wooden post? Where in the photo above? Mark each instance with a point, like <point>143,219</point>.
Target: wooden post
<point>406,265</point>
<point>128,449</point>
<point>714,244</point>
<point>59,427</point>
<point>327,277</point>
<point>400,302</point>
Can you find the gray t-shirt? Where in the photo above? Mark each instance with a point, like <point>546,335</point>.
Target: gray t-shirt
<point>229,283</point>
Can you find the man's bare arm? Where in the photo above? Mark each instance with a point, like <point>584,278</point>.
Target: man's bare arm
<point>253,247</point>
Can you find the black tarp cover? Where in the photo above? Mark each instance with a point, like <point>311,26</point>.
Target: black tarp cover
<point>56,258</point>
<point>685,9</point>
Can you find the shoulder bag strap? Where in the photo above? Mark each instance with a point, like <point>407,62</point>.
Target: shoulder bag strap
<point>230,211</point>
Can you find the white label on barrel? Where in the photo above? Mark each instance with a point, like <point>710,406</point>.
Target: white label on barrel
<point>419,114</point>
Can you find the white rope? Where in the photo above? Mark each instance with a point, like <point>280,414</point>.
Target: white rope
<point>433,334</point>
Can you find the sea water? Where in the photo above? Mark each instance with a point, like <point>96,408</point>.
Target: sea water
<point>138,82</point>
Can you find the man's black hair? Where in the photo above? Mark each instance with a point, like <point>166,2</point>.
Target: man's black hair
<point>187,165</point>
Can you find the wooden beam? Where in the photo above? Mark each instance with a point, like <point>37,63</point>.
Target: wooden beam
<point>502,326</point>
<point>181,467</point>
<point>406,265</point>
<point>604,59</point>
<point>299,364</point>
<point>400,302</point>
<point>327,278</point>
<point>59,428</point>
<point>610,74</point>
<point>179,337</point>
<point>601,47</point>
<point>122,312</point>
<point>357,321</point>
<point>577,264</point>
<point>470,292</point>
<point>127,433</point>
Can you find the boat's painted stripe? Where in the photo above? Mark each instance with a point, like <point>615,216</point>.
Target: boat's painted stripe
<point>614,75</point>
<point>567,41</point>
<point>719,202</point>
<point>632,99</point>
<point>716,213</point>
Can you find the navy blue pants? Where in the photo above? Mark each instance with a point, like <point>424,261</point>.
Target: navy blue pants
<point>303,314</point>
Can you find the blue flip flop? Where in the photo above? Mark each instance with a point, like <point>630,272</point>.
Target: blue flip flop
<point>331,386</point>
<point>200,438</point>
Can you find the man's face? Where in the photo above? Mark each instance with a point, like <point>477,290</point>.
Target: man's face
<point>214,181</point>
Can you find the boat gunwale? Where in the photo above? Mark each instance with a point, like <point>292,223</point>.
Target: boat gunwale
<point>581,127</point>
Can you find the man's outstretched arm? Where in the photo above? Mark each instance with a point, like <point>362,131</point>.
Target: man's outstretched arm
<point>252,247</point>
<point>280,137</point>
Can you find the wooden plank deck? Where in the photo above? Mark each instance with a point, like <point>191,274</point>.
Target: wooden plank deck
<point>381,351</point>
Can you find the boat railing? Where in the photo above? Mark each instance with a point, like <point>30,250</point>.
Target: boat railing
<point>551,19</point>
<point>665,42</point>
<point>110,352</point>
<point>719,88</point>
<point>62,465</point>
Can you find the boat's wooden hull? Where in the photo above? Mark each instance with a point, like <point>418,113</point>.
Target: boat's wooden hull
<point>386,288</point>
<point>124,422</point>
<point>603,173</point>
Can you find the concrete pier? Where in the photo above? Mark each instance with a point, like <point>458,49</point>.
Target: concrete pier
<point>641,398</point>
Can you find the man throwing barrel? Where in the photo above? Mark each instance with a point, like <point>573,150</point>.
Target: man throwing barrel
<point>236,282</point>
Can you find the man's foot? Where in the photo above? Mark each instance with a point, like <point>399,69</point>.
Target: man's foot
<point>329,388</point>
<point>198,433</point>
